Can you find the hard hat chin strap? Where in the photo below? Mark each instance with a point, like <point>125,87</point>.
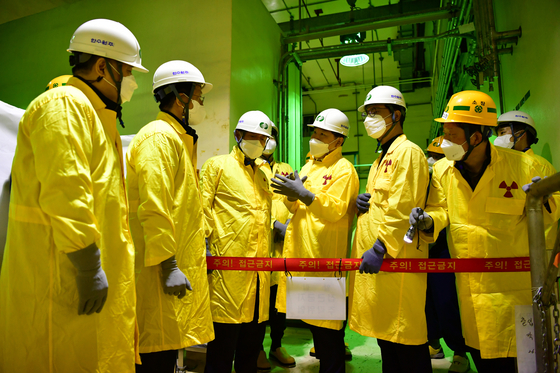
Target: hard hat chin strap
<point>173,89</point>
<point>118,83</point>
<point>468,135</point>
<point>393,124</point>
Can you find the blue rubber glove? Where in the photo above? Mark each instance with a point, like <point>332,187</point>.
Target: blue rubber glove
<point>373,258</point>
<point>535,180</point>
<point>90,279</point>
<point>420,219</point>
<point>362,202</point>
<point>293,189</point>
<point>173,280</point>
<point>208,254</point>
<point>280,230</point>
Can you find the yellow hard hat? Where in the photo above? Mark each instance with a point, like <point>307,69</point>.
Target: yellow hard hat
<point>435,145</point>
<point>58,82</point>
<point>471,107</point>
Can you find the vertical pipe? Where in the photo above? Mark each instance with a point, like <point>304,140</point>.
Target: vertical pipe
<point>537,242</point>
<point>535,223</point>
<point>495,53</point>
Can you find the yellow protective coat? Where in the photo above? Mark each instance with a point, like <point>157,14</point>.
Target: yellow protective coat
<point>279,212</point>
<point>68,192</point>
<point>390,305</point>
<point>237,202</point>
<point>489,222</point>
<point>547,169</point>
<point>321,230</point>
<point>166,219</point>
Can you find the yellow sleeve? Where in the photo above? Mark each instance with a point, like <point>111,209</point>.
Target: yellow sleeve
<point>157,158</point>
<point>409,186</point>
<point>436,207</point>
<point>209,178</point>
<point>61,141</point>
<point>332,202</point>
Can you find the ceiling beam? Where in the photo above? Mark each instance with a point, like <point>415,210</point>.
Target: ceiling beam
<point>366,19</point>
<point>337,51</point>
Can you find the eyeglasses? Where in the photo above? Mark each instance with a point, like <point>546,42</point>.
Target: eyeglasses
<point>200,99</point>
<point>372,112</point>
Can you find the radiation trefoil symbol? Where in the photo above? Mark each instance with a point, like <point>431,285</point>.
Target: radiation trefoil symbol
<point>508,189</point>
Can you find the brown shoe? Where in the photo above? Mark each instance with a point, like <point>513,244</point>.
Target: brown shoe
<point>263,365</point>
<point>282,357</point>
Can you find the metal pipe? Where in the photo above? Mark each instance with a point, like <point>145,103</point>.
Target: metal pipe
<point>314,103</point>
<point>403,19</point>
<point>537,244</point>
<point>506,34</point>
<point>497,73</point>
<point>287,9</point>
<point>512,40</point>
<point>551,273</point>
<point>508,50</point>
<point>331,89</point>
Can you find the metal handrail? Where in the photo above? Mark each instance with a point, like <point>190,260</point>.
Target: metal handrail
<point>537,254</point>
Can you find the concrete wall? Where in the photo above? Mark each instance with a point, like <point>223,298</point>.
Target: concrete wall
<point>235,43</point>
<point>533,67</point>
<point>254,61</point>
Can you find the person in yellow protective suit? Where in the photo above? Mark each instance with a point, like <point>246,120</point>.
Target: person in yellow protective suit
<point>167,222</point>
<point>390,306</point>
<point>442,306</point>
<point>67,299</point>
<point>477,192</point>
<point>59,81</point>
<point>516,130</point>
<point>237,203</point>
<point>322,202</point>
<point>280,220</point>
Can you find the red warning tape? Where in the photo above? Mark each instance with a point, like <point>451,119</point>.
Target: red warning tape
<point>521,264</point>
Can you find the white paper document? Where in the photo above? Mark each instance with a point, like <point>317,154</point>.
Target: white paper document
<point>316,298</point>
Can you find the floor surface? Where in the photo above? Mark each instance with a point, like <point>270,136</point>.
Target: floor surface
<point>366,356</point>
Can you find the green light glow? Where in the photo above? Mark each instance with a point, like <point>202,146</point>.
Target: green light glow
<point>354,60</point>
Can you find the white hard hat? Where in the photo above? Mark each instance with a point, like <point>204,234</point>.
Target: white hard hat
<point>332,120</point>
<point>255,122</point>
<point>179,72</point>
<point>517,116</point>
<point>274,128</point>
<point>383,94</point>
<point>106,38</point>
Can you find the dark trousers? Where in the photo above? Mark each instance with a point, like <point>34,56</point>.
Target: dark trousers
<point>399,358</point>
<point>242,341</point>
<point>442,308</point>
<point>277,322</point>
<point>502,365</point>
<point>156,362</point>
<point>329,347</point>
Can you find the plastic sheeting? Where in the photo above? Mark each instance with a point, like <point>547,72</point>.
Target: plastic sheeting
<point>9,120</point>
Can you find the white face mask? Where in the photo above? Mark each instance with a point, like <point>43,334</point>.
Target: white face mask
<point>504,141</point>
<point>197,114</point>
<point>452,151</point>
<point>375,127</point>
<point>270,147</point>
<point>317,148</point>
<point>128,86</point>
<point>251,148</point>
